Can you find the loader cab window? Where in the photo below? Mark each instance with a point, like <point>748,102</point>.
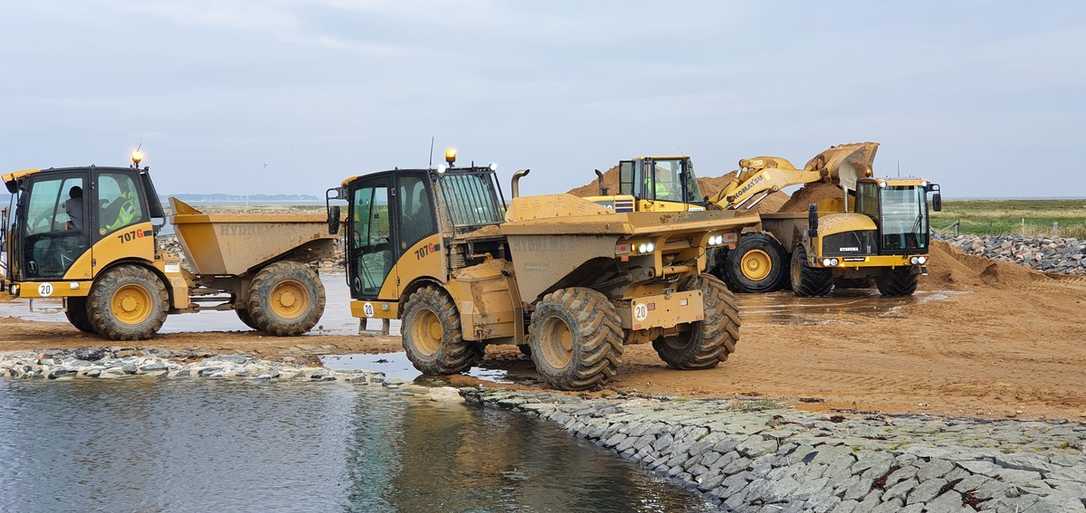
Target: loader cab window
<point>371,251</point>
<point>416,212</point>
<point>54,226</point>
<point>626,178</point>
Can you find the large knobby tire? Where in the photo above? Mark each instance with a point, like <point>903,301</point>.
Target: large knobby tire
<point>809,281</point>
<point>127,302</point>
<point>708,342</point>
<point>76,312</point>
<point>576,338</point>
<point>285,299</point>
<point>431,334</point>
<point>757,264</point>
<point>897,282</point>
<point>243,314</point>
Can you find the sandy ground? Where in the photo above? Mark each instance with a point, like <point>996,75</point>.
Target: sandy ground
<point>1003,342</point>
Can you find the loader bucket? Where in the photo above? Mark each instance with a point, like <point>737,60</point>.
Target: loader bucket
<point>846,162</point>
<point>233,244</point>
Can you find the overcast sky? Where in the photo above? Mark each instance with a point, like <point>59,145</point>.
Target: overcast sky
<point>270,96</point>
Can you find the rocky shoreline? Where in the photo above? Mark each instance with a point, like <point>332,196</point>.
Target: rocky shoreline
<point>110,363</point>
<point>1046,254</point>
<point>752,456</point>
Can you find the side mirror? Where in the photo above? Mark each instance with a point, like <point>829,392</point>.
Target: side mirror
<point>333,219</point>
<point>937,201</point>
<point>812,220</point>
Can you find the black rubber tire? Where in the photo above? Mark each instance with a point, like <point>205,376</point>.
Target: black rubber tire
<point>809,281</point>
<point>897,282</point>
<point>706,343</point>
<point>258,305</point>
<point>75,310</point>
<point>596,338</point>
<point>454,354</point>
<point>243,314</point>
<point>99,303</point>
<point>732,271</point>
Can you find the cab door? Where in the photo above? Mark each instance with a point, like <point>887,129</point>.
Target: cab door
<point>54,231</point>
<point>371,243</point>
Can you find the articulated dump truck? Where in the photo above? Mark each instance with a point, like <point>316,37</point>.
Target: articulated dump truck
<point>568,281</point>
<point>89,235</point>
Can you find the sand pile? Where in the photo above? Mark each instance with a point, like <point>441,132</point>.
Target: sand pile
<point>808,194</point>
<point>950,267</point>
<point>709,187</point>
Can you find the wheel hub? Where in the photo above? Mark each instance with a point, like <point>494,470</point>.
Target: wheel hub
<point>556,342</point>
<point>131,304</point>
<point>427,332</point>
<point>756,265</point>
<point>289,299</point>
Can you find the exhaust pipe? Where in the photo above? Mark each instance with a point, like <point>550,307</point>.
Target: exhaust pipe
<point>599,178</point>
<point>516,181</point>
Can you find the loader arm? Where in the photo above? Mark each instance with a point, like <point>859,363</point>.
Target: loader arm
<point>758,177</point>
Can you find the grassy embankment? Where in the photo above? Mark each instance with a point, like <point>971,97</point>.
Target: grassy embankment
<point>1061,218</point>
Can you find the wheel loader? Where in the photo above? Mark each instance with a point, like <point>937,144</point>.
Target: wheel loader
<point>90,236</point>
<point>569,281</point>
<point>875,230</point>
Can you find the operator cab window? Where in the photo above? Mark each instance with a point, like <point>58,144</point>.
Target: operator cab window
<point>370,240</point>
<point>119,204</point>
<point>416,214</point>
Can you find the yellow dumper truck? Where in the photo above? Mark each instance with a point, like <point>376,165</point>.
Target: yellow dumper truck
<point>89,235</point>
<point>574,282</point>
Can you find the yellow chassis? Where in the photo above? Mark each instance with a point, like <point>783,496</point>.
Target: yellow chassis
<point>869,261</point>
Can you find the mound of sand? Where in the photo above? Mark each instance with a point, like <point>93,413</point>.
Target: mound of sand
<point>709,187</point>
<point>950,267</point>
<point>808,194</point>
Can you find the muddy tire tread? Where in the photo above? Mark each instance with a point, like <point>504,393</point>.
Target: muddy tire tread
<point>76,312</point>
<point>710,341</point>
<point>99,308</point>
<point>264,280</point>
<point>812,282</point>
<point>896,282</point>
<point>455,355</point>
<point>597,334</point>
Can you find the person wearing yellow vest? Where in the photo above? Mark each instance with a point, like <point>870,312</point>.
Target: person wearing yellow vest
<point>127,208</point>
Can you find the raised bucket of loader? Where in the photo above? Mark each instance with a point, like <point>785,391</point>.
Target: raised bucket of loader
<point>232,244</point>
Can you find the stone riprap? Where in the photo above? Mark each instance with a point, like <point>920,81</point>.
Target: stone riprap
<point>751,456</point>
<point>104,363</point>
<point>1048,254</point>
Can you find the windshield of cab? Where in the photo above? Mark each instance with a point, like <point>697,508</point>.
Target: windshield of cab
<point>904,219</point>
<point>471,198</point>
<point>669,186</point>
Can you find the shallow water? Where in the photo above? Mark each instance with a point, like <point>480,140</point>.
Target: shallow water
<point>200,445</point>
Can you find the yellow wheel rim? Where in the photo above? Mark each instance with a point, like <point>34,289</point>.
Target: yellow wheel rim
<point>131,304</point>
<point>756,265</point>
<point>289,300</point>
<point>427,332</point>
<point>556,342</point>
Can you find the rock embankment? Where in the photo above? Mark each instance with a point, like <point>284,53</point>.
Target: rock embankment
<point>105,363</point>
<point>1047,254</point>
<point>750,456</point>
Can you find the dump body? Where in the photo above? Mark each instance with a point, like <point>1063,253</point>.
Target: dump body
<point>234,244</point>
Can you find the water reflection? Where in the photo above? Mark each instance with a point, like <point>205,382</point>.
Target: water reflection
<point>202,445</point>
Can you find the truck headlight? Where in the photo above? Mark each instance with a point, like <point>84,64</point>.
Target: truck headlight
<point>646,247</point>
<point>918,260</point>
<point>716,240</point>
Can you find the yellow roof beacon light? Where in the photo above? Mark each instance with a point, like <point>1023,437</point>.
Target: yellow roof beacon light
<point>450,156</point>
<point>137,157</point>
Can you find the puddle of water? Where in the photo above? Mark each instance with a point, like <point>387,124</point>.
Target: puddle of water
<point>784,307</point>
<point>202,445</point>
<point>396,366</point>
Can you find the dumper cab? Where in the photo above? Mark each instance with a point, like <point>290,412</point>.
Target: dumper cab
<point>67,224</point>
<point>656,183</point>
